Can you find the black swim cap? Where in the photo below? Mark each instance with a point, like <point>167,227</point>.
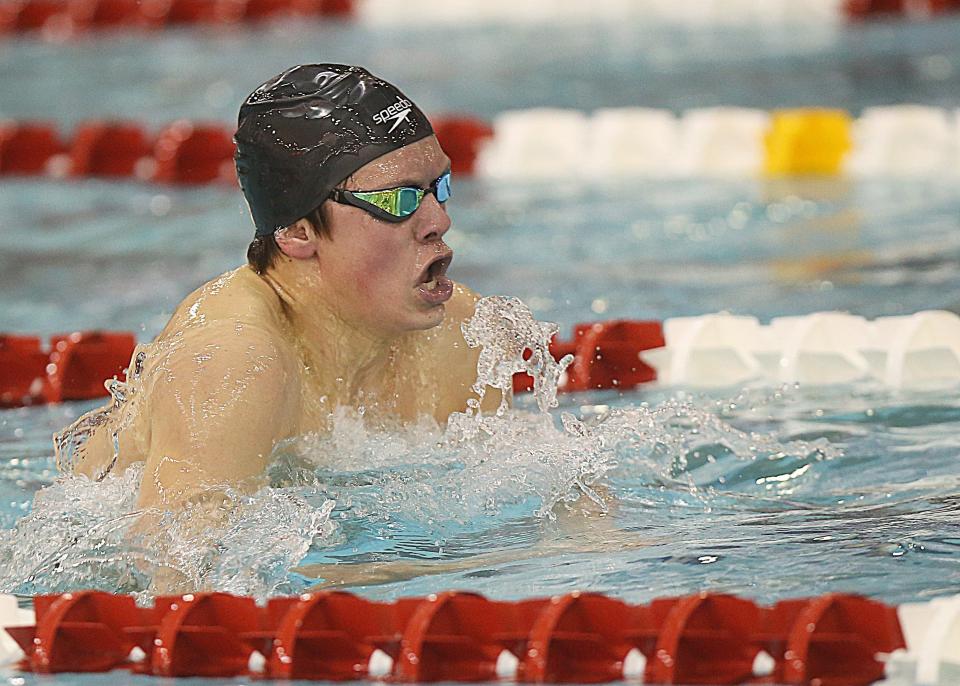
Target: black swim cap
<point>303,132</point>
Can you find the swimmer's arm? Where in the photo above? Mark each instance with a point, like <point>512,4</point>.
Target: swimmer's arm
<point>218,409</point>
<point>107,443</point>
<point>215,415</point>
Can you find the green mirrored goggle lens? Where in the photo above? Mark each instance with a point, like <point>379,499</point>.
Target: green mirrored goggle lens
<point>400,202</point>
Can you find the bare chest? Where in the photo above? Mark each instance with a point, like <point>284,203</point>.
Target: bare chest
<point>402,392</point>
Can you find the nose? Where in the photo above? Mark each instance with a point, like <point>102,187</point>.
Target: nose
<point>432,220</point>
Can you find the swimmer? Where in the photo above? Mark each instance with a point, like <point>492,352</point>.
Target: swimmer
<point>345,303</point>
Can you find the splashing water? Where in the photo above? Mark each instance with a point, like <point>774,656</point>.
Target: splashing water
<point>504,329</point>
<point>79,535</point>
<point>69,444</point>
<point>367,487</point>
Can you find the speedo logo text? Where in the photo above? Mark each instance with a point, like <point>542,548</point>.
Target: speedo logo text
<point>397,112</point>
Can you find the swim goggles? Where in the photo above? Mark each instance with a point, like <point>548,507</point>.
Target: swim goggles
<point>393,204</point>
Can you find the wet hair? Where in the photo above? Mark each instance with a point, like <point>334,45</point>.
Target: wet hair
<point>263,251</point>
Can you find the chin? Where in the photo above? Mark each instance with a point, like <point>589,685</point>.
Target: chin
<point>430,318</point>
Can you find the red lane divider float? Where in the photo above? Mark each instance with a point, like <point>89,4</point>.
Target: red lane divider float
<point>606,356</point>
<point>110,149</point>
<point>183,152</point>
<point>817,639</point>
<point>63,19</point>
<point>27,148</point>
<point>832,640</point>
<point>702,639</point>
<point>188,153</point>
<point>865,9</point>
<point>23,370</point>
<point>74,368</point>
<point>327,636</point>
<point>461,137</point>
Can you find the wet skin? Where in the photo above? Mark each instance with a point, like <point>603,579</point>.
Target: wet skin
<point>359,319</point>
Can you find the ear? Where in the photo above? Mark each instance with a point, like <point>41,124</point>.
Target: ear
<point>297,240</point>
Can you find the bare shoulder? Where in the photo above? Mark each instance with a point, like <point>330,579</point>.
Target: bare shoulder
<point>234,319</point>
<point>225,354</point>
<point>239,295</point>
<point>223,347</point>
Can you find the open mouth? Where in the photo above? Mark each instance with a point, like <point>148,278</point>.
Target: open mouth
<point>435,272</point>
<point>433,286</point>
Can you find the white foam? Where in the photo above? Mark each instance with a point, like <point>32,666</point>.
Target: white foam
<point>78,535</point>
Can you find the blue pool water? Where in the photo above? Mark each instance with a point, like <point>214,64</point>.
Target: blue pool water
<point>487,69</point>
<point>766,492</point>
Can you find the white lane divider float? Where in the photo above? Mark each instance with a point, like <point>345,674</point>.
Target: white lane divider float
<point>918,351</point>
<point>545,143</point>
<point>11,614</point>
<point>932,634</point>
<point>692,13</point>
<point>905,140</point>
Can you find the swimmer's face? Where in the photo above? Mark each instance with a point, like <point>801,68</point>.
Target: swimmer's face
<point>389,276</point>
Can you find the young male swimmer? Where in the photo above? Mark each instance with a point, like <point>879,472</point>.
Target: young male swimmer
<point>345,302</point>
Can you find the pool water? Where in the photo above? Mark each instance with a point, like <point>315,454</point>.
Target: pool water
<point>765,492</point>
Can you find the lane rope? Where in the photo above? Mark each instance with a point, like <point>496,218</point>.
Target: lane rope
<point>917,351</point>
<point>896,141</point>
<point>60,20</point>
<point>844,640</point>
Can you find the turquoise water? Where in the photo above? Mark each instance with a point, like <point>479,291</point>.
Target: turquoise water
<point>769,493</point>
<point>205,74</point>
<point>869,506</point>
<point>92,253</point>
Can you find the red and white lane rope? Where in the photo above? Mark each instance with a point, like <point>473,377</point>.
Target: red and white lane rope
<point>64,19</point>
<point>918,351</point>
<point>693,13</point>
<point>894,141</point>
<point>901,140</point>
